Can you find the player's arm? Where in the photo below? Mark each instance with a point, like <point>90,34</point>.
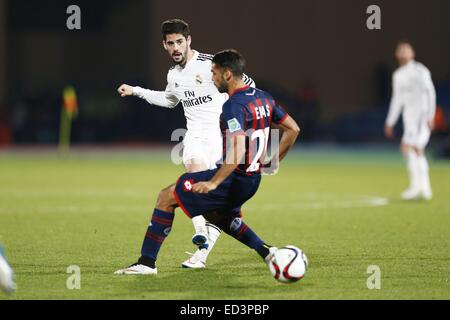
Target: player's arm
<point>431,99</point>
<point>233,158</point>
<point>290,130</point>
<point>158,98</point>
<point>395,109</point>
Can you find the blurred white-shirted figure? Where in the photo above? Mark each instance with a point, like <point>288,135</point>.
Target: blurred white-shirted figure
<point>6,275</point>
<point>414,97</point>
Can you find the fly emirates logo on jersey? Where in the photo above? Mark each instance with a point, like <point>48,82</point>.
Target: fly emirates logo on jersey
<point>191,100</point>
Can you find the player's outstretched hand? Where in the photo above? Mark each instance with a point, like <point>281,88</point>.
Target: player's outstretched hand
<point>125,90</point>
<point>389,132</point>
<point>204,187</point>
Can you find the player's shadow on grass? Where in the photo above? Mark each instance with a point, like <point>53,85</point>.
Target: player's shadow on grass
<point>230,277</point>
<point>231,274</point>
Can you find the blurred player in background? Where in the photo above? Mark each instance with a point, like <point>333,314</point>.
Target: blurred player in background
<point>189,82</point>
<point>219,193</point>
<point>6,275</point>
<point>413,96</point>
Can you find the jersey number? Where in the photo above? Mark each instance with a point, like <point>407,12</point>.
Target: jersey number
<point>262,135</point>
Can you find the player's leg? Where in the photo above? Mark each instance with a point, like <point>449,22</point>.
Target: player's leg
<point>201,227</point>
<point>195,203</point>
<point>199,257</point>
<point>6,275</point>
<point>423,167</point>
<point>201,155</point>
<point>157,231</point>
<point>232,193</point>
<point>194,161</point>
<point>195,165</point>
<point>233,225</point>
<point>412,165</point>
<point>410,136</point>
<point>424,175</point>
<point>200,237</point>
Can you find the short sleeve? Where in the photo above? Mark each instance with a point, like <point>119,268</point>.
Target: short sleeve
<point>279,115</point>
<point>233,117</point>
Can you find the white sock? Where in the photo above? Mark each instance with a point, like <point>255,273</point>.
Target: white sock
<point>213,235</point>
<point>424,176</point>
<point>199,224</point>
<point>412,164</point>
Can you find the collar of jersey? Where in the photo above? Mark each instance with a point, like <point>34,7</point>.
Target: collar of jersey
<point>239,90</point>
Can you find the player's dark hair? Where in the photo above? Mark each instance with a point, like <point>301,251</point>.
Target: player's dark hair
<point>172,26</point>
<point>230,59</point>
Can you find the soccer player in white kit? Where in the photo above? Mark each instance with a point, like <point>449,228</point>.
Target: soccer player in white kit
<point>6,275</point>
<point>189,82</point>
<point>414,97</point>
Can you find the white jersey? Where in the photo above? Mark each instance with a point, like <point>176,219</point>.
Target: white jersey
<point>413,95</point>
<point>193,87</point>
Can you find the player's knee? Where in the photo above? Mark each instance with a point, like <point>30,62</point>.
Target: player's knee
<point>195,165</point>
<point>405,149</point>
<point>420,152</point>
<point>166,198</point>
<point>231,225</point>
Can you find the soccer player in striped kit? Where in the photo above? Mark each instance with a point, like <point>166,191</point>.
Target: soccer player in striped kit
<point>189,82</point>
<point>414,97</point>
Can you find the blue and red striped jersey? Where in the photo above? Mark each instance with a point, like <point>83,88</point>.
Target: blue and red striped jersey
<point>250,112</point>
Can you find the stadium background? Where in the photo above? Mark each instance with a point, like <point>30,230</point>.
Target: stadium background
<point>317,58</point>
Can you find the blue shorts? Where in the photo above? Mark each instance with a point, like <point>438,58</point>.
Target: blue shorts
<point>229,196</point>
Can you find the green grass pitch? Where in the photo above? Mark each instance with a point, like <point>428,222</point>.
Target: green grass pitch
<point>341,207</point>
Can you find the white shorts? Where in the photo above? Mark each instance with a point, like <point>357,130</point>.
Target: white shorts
<point>207,150</point>
<point>416,133</point>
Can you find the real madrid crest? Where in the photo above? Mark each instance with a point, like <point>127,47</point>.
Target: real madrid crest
<point>198,79</point>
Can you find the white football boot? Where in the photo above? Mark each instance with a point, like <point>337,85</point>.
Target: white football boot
<point>411,194</point>
<point>6,275</point>
<point>427,194</point>
<point>196,261</point>
<point>138,269</point>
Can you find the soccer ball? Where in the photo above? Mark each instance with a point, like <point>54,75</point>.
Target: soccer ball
<point>288,264</point>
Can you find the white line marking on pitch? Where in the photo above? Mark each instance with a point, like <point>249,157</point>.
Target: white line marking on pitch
<point>326,201</point>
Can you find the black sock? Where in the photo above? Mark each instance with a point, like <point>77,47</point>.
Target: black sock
<point>263,250</point>
<point>147,262</point>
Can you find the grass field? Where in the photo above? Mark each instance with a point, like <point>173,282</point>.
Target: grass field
<point>341,207</point>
